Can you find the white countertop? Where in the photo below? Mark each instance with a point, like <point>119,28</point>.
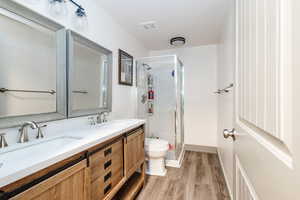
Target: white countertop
<point>21,160</point>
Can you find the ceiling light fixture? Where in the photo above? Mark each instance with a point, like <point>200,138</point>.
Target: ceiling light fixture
<point>177,41</point>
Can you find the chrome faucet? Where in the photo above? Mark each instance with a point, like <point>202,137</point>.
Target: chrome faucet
<point>105,114</point>
<point>102,117</point>
<point>3,142</point>
<point>24,131</point>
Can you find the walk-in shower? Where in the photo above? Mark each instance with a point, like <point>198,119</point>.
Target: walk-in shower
<point>160,83</point>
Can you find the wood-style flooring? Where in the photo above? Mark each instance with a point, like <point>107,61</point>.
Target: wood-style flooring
<point>199,178</point>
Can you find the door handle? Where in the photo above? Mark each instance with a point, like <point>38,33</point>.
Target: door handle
<point>229,133</point>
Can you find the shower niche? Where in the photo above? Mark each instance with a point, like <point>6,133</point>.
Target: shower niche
<point>160,100</point>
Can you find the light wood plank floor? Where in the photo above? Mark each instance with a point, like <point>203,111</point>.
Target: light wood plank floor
<point>199,178</point>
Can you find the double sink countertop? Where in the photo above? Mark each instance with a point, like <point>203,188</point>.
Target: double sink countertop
<point>21,160</point>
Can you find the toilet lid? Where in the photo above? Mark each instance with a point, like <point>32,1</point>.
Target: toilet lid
<point>156,144</point>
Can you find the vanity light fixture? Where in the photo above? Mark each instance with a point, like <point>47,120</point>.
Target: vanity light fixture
<point>80,18</point>
<point>58,8</point>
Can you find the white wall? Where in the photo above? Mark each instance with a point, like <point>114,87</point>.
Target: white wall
<point>226,63</point>
<point>200,65</point>
<point>105,31</point>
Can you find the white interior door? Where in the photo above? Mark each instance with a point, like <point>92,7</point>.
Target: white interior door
<point>267,146</point>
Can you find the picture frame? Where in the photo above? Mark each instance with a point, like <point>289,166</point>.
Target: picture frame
<point>125,68</point>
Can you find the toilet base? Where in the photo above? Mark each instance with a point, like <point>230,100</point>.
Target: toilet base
<point>156,167</point>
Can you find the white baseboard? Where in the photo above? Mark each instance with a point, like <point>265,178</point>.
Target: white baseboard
<point>199,148</point>
<point>225,175</point>
<point>156,173</point>
<point>176,163</point>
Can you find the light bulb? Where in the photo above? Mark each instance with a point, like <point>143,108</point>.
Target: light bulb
<point>80,19</point>
<point>81,22</point>
<point>58,8</point>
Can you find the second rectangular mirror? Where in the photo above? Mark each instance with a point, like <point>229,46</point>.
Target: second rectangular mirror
<point>89,76</point>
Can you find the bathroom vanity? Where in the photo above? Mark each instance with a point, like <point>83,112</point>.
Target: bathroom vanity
<point>104,162</point>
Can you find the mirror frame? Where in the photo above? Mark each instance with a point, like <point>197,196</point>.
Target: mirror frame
<point>61,71</point>
<point>71,36</point>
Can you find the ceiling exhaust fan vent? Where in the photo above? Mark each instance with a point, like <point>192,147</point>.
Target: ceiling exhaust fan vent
<point>148,25</point>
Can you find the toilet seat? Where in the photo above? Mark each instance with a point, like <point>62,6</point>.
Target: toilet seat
<point>152,144</point>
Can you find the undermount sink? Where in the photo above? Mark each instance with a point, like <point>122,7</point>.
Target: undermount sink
<point>26,153</point>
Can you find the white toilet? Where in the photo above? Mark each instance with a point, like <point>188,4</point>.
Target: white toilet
<point>156,150</point>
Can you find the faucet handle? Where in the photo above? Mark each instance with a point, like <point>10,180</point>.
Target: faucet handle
<point>100,118</point>
<point>92,120</point>
<point>105,114</point>
<point>3,142</point>
<point>40,131</point>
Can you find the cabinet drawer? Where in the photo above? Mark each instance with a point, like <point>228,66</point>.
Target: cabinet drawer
<point>102,162</point>
<point>104,184</point>
<point>110,164</point>
<point>107,151</point>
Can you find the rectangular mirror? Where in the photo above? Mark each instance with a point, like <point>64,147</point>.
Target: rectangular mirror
<point>89,76</point>
<point>32,67</point>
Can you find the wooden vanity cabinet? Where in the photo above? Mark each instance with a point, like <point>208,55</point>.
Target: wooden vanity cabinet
<point>71,183</point>
<point>134,154</point>
<point>99,173</point>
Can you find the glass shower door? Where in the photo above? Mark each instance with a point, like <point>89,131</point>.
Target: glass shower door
<point>162,122</point>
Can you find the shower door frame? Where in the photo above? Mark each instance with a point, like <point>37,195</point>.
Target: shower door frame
<point>179,63</point>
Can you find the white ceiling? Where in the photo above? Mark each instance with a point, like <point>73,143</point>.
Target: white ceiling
<point>199,21</point>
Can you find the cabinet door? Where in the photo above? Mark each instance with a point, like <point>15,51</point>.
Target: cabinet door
<point>71,183</point>
<point>134,151</point>
<point>140,149</point>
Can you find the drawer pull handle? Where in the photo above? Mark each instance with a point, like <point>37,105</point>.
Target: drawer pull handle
<point>107,188</point>
<point>107,176</point>
<point>107,164</point>
<point>107,152</point>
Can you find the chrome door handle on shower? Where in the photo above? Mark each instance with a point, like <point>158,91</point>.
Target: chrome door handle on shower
<point>229,133</point>
<point>175,117</point>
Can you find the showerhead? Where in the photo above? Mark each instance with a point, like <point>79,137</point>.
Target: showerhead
<point>147,66</point>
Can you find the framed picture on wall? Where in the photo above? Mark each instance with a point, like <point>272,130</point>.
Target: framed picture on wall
<point>125,68</point>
